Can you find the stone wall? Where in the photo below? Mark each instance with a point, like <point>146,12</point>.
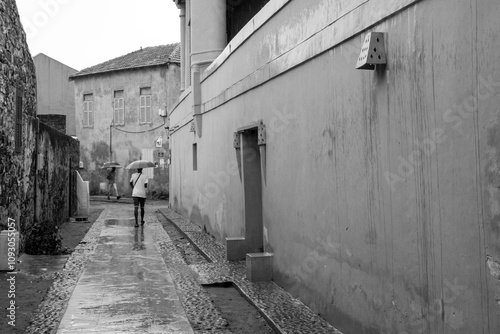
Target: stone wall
<point>55,121</point>
<point>37,162</point>
<point>17,80</point>
<point>58,157</point>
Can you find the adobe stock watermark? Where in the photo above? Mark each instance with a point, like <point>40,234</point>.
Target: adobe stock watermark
<point>48,9</point>
<point>220,180</point>
<point>440,308</point>
<point>299,274</point>
<point>453,118</point>
<point>11,277</point>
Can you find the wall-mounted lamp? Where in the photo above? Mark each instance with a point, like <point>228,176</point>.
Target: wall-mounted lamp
<point>372,52</point>
<point>162,112</point>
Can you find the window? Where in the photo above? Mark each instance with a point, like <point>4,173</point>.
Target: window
<point>88,111</point>
<point>145,108</point>
<point>195,157</point>
<point>18,130</point>
<point>119,109</point>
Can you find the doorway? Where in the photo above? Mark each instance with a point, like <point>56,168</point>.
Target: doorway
<point>252,188</point>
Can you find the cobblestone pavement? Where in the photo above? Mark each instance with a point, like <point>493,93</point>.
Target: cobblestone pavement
<point>50,311</point>
<point>283,312</point>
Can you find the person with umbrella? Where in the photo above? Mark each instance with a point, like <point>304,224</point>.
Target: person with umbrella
<point>139,184</point>
<point>111,167</point>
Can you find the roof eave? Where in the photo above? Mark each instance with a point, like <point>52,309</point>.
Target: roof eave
<point>77,76</point>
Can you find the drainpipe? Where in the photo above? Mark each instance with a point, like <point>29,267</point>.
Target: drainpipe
<point>182,15</point>
<point>110,142</point>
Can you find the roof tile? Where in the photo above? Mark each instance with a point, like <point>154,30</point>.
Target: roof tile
<point>150,56</point>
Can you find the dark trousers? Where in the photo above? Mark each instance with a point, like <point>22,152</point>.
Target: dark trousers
<point>139,201</point>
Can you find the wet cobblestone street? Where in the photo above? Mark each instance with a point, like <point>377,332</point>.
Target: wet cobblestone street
<point>285,313</point>
<point>194,260</point>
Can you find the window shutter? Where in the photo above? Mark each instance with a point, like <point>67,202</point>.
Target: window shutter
<point>142,110</point>
<point>148,109</point>
<point>18,131</point>
<point>91,113</point>
<point>85,118</point>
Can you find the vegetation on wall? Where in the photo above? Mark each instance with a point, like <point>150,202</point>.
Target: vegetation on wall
<point>42,238</point>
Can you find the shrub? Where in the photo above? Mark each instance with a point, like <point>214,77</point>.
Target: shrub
<point>43,239</point>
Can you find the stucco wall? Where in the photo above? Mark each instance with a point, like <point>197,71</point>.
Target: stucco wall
<point>55,94</point>
<point>381,193</point>
<point>127,146</point>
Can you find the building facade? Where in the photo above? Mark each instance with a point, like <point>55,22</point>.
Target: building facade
<point>117,106</point>
<point>376,190</point>
<point>55,94</point>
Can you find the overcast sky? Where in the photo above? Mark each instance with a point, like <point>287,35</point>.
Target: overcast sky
<point>83,33</point>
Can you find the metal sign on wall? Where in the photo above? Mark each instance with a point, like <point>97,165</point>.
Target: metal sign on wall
<point>159,141</point>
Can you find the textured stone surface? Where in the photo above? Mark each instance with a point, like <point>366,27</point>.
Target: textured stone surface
<point>283,312</point>
<point>17,74</point>
<point>29,194</point>
<point>49,313</point>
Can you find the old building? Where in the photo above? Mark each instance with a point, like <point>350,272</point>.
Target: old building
<point>118,105</point>
<point>37,162</point>
<point>55,95</point>
<point>375,190</point>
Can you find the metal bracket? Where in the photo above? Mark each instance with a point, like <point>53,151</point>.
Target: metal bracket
<point>193,129</point>
<point>261,136</point>
<point>372,52</point>
<point>236,140</point>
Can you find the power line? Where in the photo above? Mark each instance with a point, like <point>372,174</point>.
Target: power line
<point>159,126</point>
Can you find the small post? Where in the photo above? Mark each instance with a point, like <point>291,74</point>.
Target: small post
<point>111,142</point>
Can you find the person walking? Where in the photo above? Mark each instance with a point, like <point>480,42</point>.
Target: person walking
<point>139,183</point>
<point>111,182</point>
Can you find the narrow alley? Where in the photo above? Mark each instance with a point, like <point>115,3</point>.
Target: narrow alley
<point>168,276</point>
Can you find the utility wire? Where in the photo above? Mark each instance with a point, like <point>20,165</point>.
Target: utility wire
<point>159,126</point>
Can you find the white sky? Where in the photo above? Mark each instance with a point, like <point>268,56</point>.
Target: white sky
<point>83,33</point>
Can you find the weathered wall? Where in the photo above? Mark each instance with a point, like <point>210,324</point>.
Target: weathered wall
<point>56,177</point>
<point>57,122</point>
<point>381,194</point>
<point>55,94</point>
<point>19,173</point>
<point>16,169</point>
<point>128,141</point>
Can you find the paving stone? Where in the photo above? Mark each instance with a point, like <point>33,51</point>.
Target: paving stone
<point>50,311</point>
<point>285,313</point>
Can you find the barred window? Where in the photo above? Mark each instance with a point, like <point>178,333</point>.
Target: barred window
<point>119,108</point>
<point>145,106</point>
<point>88,111</point>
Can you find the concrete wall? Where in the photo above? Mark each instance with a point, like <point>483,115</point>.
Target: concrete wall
<point>30,194</point>
<point>127,146</point>
<point>55,94</point>
<point>380,197</point>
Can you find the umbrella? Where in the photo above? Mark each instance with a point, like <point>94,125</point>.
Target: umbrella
<point>140,164</point>
<point>111,165</point>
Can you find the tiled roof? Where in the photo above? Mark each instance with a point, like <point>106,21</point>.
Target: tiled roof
<point>150,56</point>
<point>176,54</point>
